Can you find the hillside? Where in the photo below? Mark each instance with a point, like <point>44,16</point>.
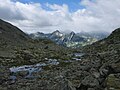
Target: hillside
<point>108,44</point>
<point>10,34</point>
<point>11,38</point>
<point>108,51</point>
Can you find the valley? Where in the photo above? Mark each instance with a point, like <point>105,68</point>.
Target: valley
<point>41,64</point>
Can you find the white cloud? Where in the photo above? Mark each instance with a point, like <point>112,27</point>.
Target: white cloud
<point>99,15</point>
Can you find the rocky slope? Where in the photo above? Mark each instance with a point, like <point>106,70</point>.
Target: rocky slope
<point>11,37</point>
<point>108,70</point>
<point>10,34</point>
<point>46,66</point>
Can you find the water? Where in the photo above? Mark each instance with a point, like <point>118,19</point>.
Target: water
<point>53,62</point>
<point>76,59</point>
<point>78,54</point>
<point>31,68</point>
<point>38,67</point>
<point>13,78</point>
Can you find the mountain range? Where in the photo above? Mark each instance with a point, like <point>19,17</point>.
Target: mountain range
<point>71,39</point>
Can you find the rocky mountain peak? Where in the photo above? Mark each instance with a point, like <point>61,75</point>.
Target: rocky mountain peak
<point>73,33</point>
<point>57,33</point>
<point>115,33</point>
<point>40,33</point>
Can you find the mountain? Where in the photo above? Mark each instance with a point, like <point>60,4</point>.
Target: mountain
<point>94,34</point>
<point>8,31</point>
<point>71,39</point>
<point>57,33</point>
<point>11,36</point>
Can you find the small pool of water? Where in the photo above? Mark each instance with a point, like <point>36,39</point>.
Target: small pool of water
<point>53,62</point>
<point>77,59</point>
<point>78,54</point>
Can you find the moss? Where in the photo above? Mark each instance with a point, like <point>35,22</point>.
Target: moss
<point>113,82</point>
<point>46,68</point>
<point>64,64</point>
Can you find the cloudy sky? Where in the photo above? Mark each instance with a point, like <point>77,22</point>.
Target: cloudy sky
<point>63,15</point>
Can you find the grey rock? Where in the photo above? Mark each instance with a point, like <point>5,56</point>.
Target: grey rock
<point>90,81</point>
<point>63,85</point>
<point>4,74</point>
<point>22,73</point>
<point>91,88</point>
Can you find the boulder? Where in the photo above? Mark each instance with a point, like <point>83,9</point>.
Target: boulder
<point>90,81</point>
<point>4,74</point>
<point>63,85</point>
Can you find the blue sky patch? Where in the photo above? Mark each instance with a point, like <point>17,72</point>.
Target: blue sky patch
<point>73,5</point>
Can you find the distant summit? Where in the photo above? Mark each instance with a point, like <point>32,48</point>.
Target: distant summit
<point>57,33</point>
<point>71,39</point>
<point>71,35</point>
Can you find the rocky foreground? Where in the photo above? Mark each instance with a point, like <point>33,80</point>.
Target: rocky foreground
<point>94,67</point>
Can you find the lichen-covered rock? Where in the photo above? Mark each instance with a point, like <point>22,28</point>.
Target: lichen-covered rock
<point>90,81</point>
<point>4,74</point>
<point>113,82</point>
<point>63,85</point>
